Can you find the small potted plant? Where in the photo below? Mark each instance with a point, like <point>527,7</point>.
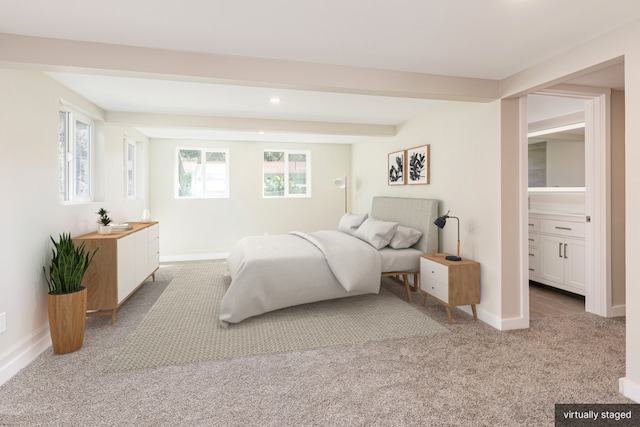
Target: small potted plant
<point>104,222</point>
<point>67,299</point>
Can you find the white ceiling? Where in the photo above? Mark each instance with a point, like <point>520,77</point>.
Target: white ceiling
<point>490,39</point>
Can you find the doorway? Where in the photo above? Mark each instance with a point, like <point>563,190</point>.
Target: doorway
<point>557,204</point>
<point>597,246</point>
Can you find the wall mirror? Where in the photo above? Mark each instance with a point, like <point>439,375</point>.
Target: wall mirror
<point>556,157</point>
<point>556,143</point>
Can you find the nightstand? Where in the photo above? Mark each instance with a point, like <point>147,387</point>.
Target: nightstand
<point>453,283</point>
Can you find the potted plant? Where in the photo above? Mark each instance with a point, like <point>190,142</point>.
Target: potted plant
<point>104,221</point>
<point>67,298</point>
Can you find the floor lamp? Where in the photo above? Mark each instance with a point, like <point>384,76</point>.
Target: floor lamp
<point>342,184</point>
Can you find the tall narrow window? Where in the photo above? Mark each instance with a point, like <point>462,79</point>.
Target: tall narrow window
<point>286,174</point>
<point>75,151</point>
<point>202,173</point>
<point>130,167</point>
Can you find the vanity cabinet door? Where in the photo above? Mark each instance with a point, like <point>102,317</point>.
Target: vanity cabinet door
<point>575,267</point>
<point>552,265</point>
<point>563,263</point>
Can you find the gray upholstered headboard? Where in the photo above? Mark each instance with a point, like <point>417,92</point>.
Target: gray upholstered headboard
<point>414,213</point>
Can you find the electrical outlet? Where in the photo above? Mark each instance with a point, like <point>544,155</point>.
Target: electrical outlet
<point>3,322</point>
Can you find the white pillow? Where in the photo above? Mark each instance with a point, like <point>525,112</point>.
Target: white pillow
<point>376,233</point>
<point>405,237</point>
<point>349,222</point>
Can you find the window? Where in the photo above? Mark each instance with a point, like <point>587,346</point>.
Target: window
<point>286,174</point>
<point>130,168</point>
<point>202,173</point>
<point>75,151</point>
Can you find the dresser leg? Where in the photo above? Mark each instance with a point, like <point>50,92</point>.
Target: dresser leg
<point>449,313</point>
<point>475,313</point>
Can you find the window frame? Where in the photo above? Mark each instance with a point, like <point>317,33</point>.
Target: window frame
<point>287,193</point>
<point>130,168</point>
<point>68,171</point>
<point>225,194</point>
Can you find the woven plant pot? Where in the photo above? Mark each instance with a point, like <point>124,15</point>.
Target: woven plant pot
<point>67,318</point>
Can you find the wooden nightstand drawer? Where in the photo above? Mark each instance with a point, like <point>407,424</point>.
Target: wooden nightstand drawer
<point>434,288</point>
<point>434,271</point>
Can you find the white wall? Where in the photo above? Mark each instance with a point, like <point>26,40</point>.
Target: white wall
<point>31,210</point>
<point>465,176</point>
<point>208,228</point>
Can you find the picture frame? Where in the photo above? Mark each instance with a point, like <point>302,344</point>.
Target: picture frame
<point>417,169</point>
<point>396,168</point>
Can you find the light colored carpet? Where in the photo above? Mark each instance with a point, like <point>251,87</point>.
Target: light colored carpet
<point>474,375</point>
<point>183,326</point>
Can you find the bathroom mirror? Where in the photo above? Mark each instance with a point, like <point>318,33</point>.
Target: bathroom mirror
<point>557,157</point>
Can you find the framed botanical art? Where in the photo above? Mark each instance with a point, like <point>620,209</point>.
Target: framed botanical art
<point>417,169</point>
<point>395,170</point>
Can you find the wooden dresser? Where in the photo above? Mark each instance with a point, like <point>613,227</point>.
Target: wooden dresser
<point>125,260</point>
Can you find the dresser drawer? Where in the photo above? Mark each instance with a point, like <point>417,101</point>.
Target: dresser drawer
<point>533,240</point>
<point>562,228</point>
<point>154,246</point>
<point>154,232</point>
<point>534,224</point>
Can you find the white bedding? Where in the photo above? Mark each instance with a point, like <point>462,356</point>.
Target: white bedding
<point>393,260</point>
<point>273,272</point>
<point>277,271</point>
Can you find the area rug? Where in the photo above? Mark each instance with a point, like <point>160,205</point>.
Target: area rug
<point>183,327</point>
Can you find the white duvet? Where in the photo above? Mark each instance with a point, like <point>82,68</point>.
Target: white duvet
<point>273,272</point>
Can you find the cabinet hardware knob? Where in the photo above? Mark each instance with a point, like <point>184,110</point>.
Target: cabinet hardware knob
<point>559,250</point>
<point>565,250</point>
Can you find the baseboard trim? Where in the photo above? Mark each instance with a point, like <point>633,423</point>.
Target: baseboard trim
<point>23,353</point>
<point>487,318</point>
<point>194,257</point>
<point>618,310</point>
<point>512,323</point>
<point>629,389</point>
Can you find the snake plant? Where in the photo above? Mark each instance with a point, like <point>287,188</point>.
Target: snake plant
<point>68,265</point>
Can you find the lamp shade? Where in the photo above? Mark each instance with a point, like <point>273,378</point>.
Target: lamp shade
<point>440,222</point>
<point>341,182</point>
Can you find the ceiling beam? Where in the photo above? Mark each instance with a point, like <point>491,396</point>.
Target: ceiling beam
<point>87,57</point>
<point>244,124</point>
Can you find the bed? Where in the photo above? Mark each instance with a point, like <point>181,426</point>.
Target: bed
<point>277,271</point>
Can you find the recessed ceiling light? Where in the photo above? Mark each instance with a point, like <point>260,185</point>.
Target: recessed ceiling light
<point>275,100</point>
